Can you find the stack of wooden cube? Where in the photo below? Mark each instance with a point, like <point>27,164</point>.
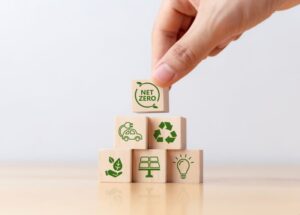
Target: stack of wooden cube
<point>150,149</point>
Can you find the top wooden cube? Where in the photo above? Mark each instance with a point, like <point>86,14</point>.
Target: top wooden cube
<point>147,97</point>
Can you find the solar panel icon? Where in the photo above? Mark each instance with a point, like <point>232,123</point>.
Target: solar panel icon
<point>149,163</point>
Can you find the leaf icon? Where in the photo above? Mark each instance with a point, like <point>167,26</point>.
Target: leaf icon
<point>111,160</point>
<point>118,165</point>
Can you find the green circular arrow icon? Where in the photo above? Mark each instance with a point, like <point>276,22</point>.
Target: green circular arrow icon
<point>147,95</point>
<point>158,133</point>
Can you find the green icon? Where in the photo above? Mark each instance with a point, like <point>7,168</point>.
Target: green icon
<point>117,166</point>
<point>158,133</point>
<point>183,165</point>
<point>147,95</point>
<point>149,163</point>
<point>127,132</point>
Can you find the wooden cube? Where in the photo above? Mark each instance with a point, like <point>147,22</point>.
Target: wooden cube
<point>149,166</point>
<point>167,133</point>
<point>115,165</point>
<point>185,166</point>
<point>147,97</point>
<point>131,132</point>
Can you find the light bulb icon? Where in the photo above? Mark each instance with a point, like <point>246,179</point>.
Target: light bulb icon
<point>183,165</point>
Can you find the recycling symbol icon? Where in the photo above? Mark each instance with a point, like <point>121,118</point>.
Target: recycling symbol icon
<point>168,127</point>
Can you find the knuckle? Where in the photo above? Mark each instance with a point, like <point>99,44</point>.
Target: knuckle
<point>183,6</point>
<point>168,34</point>
<point>185,55</point>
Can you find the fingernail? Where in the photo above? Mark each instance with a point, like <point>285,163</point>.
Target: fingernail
<point>163,74</point>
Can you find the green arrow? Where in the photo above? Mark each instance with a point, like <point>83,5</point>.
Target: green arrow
<point>169,126</point>
<point>162,125</point>
<point>156,133</point>
<point>173,134</point>
<point>170,139</point>
<point>154,106</point>
<point>160,139</point>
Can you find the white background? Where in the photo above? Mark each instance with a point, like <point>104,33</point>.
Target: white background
<point>66,67</point>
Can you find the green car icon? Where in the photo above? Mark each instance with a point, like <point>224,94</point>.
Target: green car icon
<point>127,132</point>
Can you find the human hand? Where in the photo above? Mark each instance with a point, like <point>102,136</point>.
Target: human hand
<point>188,31</point>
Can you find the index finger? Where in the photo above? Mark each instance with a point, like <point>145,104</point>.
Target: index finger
<point>165,31</point>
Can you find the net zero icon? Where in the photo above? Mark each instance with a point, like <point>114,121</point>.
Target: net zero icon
<point>147,95</point>
<point>158,133</point>
<point>127,132</point>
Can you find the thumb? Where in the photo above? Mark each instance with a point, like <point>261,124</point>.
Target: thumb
<point>184,55</point>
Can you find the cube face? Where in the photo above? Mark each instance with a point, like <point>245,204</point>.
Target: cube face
<point>147,97</point>
<point>149,166</point>
<point>185,166</point>
<point>167,133</point>
<point>131,132</point>
<point>115,166</point>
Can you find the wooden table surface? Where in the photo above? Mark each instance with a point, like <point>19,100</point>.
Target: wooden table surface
<point>74,189</point>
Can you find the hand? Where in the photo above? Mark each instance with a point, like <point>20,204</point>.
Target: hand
<point>188,31</point>
<point>113,173</point>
